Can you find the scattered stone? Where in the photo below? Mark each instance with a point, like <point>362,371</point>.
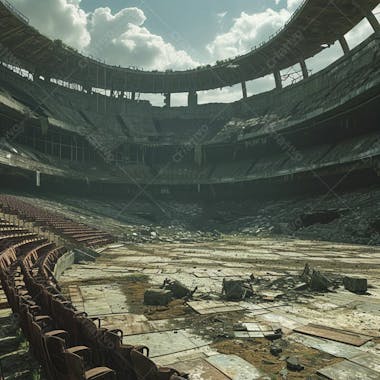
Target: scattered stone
<point>319,282</point>
<point>236,290</point>
<point>277,334</point>
<point>316,280</point>
<point>275,350</point>
<point>355,284</point>
<point>293,364</point>
<point>157,297</point>
<point>178,289</point>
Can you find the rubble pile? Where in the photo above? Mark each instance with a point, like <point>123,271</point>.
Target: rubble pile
<point>347,218</point>
<point>289,287</point>
<point>236,290</point>
<point>170,289</point>
<point>169,234</point>
<point>177,289</point>
<point>350,218</point>
<point>355,285</point>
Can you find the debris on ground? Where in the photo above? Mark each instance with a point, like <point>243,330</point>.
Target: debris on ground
<point>276,334</point>
<point>355,285</point>
<point>157,297</point>
<point>236,290</point>
<point>293,364</point>
<point>178,289</point>
<point>316,280</point>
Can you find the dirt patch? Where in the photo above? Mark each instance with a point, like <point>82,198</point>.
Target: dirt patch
<point>175,309</point>
<point>134,291</point>
<point>132,285</point>
<point>257,352</point>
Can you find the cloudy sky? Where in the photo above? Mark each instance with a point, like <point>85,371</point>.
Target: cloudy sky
<point>171,34</point>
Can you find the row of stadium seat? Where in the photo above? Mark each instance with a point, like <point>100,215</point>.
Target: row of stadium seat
<point>69,344</point>
<point>76,232</point>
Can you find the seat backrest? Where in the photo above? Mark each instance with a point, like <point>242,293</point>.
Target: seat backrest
<point>118,356</point>
<point>111,341</point>
<point>36,342</point>
<point>75,366</point>
<point>144,368</point>
<point>55,354</point>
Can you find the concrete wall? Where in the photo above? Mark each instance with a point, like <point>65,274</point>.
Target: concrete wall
<point>63,263</point>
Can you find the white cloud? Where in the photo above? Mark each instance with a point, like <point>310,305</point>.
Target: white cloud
<point>58,19</point>
<point>293,4</point>
<point>122,39</point>
<point>119,38</point>
<point>246,32</point>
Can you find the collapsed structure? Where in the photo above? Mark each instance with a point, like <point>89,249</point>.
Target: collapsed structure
<point>322,126</point>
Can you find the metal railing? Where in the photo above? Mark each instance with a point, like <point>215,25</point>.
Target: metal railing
<point>15,11</point>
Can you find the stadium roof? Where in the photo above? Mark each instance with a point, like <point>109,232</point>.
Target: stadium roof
<point>315,25</point>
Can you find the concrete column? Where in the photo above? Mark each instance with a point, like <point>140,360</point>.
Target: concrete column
<point>38,178</point>
<point>369,15</point>
<point>167,100</point>
<point>278,80</point>
<point>198,155</point>
<point>192,99</point>
<point>344,45</point>
<point>133,96</point>
<point>244,89</point>
<point>373,21</point>
<point>305,73</point>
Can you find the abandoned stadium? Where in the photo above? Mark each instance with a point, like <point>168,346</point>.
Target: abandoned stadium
<point>219,241</point>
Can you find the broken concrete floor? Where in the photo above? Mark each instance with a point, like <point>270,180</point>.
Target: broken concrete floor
<point>329,334</point>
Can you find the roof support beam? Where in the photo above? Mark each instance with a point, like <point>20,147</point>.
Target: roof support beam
<point>368,14</point>
<point>278,79</point>
<point>305,72</point>
<point>373,21</point>
<point>167,100</point>
<point>244,89</point>
<point>192,99</point>
<point>344,45</point>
